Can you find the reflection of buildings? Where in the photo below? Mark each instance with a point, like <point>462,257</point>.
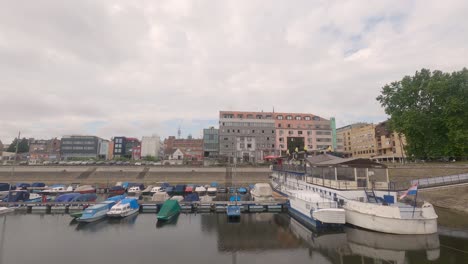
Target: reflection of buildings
<point>253,232</point>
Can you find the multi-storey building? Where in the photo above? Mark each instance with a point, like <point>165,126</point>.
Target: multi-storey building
<point>44,150</point>
<point>357,140</point>
<point>210,142</point>
<point>78,146</point>
<point>151,146</point>
<point>104,149</point>
<point>299,130</point>
<point>247,136</point>
<point>125,147</point>
<point>390,145</point>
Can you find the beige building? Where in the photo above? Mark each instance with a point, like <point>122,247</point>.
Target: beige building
<point>356,140</point>
<point>390,145</point>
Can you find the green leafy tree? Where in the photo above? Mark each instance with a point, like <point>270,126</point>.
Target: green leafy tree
<point>23,146</point>
<point>431,110</point>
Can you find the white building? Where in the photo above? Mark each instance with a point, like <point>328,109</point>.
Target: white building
<point>151,146</point>
<point>177,155</point>
<point>104,149</point>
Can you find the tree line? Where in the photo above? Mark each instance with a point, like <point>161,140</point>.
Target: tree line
<point>431,110</point>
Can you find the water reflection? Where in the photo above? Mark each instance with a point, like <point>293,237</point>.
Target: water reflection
<point>211,238</point>
<point>171,222</point>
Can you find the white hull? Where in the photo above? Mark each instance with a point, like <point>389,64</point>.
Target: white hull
<point>5,210</point>
<point>91,219</point>
<point>316,208</point>
<point>388,223</point>
<point>122,214</point>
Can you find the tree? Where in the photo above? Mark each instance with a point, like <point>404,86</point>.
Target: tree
<point>23,146</point>
<point>431,110</point>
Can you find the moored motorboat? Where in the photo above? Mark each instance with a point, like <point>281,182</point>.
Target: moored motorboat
<point>200,190</point>
<point>5,210</point>
<point>16,196</point>
<point>67,197</point>
<point>124,208</point>
<point>190,188</point>
<point>4,189</point>
<point>96,212</point>
<point>116,190</point>
<point>85,189</point>
<point>191,197</point>
<point>178,198</point>
<point>85,197</point>
<point>242,190</point>
<point>156,189</point>
<point>212,191</point>
<point>233,211</point>
<point>169,209</point>
<point>315,211</point>
<point>160,197</point>
<point>57,189</point>
<point>179,189</point>
<point>262,192</point>
<point>134,191</point>
<point>147,190</point>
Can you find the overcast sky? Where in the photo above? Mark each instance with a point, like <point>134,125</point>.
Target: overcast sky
<point>136,68</point>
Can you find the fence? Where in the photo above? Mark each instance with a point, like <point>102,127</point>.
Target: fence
<point>441,181</point>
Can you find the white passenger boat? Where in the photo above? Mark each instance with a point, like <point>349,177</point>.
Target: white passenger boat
<point>262,192</point>
<point>364,194</point>
<point>315,211</point>
<point>124,208</point>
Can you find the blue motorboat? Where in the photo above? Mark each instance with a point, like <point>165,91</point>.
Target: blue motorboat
<point>116,198</point>
<point>85,197</point>
<point>22,186</point>
<point>214,184</point>
<point>4,189</point>
<point>192,197</point>
<point>96,212</point>
<point>179,189</point>
<point>164,185</point>
<point>16,196</point>
<point>67,197</point>
<point>233,211</point>
<point>170,190</point>
<point>38,185</point>
<point>235,198</point>
<point>242,190</point>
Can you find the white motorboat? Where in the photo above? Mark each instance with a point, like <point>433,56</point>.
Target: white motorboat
<point>262,192</point>
<point>200,190</point>
<point>5,210</point>
<point>54,190</point>
<point>134,191</point>
<point>160,197</point>
<point>85,189</point>
<point>147,190</point>
<point>212,190</point>
<point>206,199</point>
<point>124,208</point>
<point>315,211</point>
<point>155,189</point>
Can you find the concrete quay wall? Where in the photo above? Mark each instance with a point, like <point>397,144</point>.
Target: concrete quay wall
<point>147,175</point>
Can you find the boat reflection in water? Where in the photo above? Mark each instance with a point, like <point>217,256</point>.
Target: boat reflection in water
<point>130,220</point>
<point>172,222</point>
<point>367,244</point>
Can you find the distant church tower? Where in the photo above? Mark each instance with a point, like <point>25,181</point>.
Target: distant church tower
<point>178,133</point>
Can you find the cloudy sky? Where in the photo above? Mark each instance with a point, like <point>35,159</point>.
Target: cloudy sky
<point>141,67</point>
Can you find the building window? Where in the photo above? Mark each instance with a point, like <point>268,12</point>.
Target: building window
<point>263,131</point>
<point>225,138</point>
<point>249,146</point>
<point>268,138</point>
<point>249,116</point>
<point>281,139</point>
<point>298,118</point>
<point>259,117</point>
<point>307,118</point>
<point>289,125</point>
<point>279,125</point>
<point>229,130</point>
<point>253,131</point>
<point>272,131</point>
<point>316,118</point>
<point>290,132</point>
<point>299,132</point>
<point>281,132</point>
<point>268,117</point>
<point>289,117</point>
<point>240,116</point>
<point>280,117</point>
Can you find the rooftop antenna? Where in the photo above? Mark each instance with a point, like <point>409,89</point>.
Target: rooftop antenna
<point>178,133</point>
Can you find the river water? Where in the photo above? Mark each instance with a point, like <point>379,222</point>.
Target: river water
<point>210,238</point>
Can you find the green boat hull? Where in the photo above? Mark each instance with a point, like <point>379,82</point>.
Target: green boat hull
<point>168,210</point>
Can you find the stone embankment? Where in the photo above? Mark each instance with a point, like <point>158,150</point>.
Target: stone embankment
<point>148,175</point>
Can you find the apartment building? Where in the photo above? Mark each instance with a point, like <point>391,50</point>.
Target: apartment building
<point>302,131</point>
<point>246,136</point>
<point>126,147</point>
<point>390,145</point>
<point>79,146</point>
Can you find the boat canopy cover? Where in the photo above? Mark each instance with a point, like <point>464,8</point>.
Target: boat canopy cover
<point>4,187</point>
<point>116,188</point>
<point>169,207</point>
<point>116,198</point>
<point>125,185</point>
<point>57,185</point>
<point>169,189</point>
<point>193,197</point>
<point>132,201</point>
<point>86,197</point>
<point>22,185</point>
<point>242,190</point>
<point>180,187</point>
<point>38,184</point>
<point>214,184</point>
<point>67,197</point>
<point>16,196</point>
<point>164,185</point>
<point>233,198</point>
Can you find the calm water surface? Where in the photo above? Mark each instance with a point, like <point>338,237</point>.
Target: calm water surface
<point>210,238</point>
